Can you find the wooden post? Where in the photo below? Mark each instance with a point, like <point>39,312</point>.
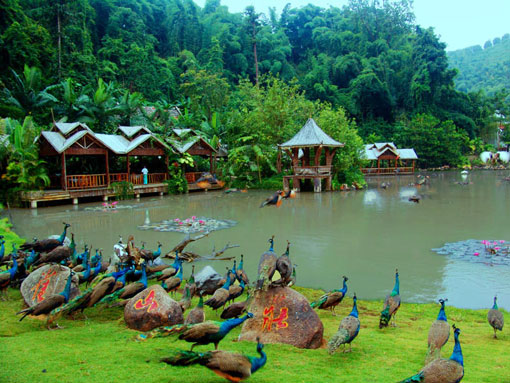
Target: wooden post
<point>64,171</point>
<point>306,157</point>
<point>107,169</point>
<point>279,161</point>
<point>210,163</point>
<point>413,166</point>
<point>167,167</point>
<point>378,164</point>
<point>128,166</point>
<point>318,155</point>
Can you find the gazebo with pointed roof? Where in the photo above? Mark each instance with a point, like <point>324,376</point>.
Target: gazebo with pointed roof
<point>305,150</point>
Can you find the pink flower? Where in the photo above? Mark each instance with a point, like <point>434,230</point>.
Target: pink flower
<point>476,254</point>
<point>201,222</point>
<point>194,217</point>
<point>177,220</point>
<point>497,248</point>
<point>501,241</point>
<point>180,223</point>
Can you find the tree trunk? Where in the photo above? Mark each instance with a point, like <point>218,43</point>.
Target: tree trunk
<point>255,55</point>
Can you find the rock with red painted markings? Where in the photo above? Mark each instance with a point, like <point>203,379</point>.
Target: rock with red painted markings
<point>45,282</point>
<point>282,315</point>
<point>152,308</point>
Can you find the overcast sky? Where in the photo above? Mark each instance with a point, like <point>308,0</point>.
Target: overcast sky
<point>460,23</point>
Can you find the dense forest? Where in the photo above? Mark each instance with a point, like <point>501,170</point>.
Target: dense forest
<point>486,68</point>
<point>247,81</point>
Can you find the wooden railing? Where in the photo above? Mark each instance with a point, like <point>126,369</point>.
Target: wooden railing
<point>192,177</point>
<point>85,181</point>
<point>312,170</point>
<point>386,171</point>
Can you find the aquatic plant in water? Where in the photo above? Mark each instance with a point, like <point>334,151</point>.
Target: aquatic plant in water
<point>489,252</point>
<point>190,225</point>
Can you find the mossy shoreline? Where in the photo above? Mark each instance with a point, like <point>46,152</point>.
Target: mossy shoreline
<point>100,348</point>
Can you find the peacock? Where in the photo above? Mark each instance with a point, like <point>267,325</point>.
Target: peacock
<point>284,267</point>
<point>83,276</point>
<point>30,259</point>
<point>196,315</point>
<point>391,304</point>
<point>191,284</point>
<point>332,299</point>
<point>82,260</point>
<point>128,291</point>
<point>2,248</point>
<point>70,307</point>
<point>57,255</point>
<point>198,334</point>
<point>240,273</point>
<point>151,255</point>
<point>50,303</point>
<point>220,296</point>
<point>172,283</point>
<point>169,271</point>
<point>495,318</point>
<point>347,330</point>
<point>442,370</point>
<point>231,366</point>
<point>235,310</point>
<point>7,276</point>
<point>46,245</point>
<point>275,199</point>
<point>439,334</point>
<point>185,301</point>
<point>235,291</point>
<point>267,265</point>
<point>110,283</point>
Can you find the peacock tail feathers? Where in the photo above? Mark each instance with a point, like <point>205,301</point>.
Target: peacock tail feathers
<point>162,332</point>
<point>415,378</point>
<point>341,337</point>
<point>187,358</point>
<point>319,301</point>
<point>109,299</point>
<point>385,317</point>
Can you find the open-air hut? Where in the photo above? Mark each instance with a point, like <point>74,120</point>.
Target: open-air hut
<point>77,139</point>
<point>305,150</point>
<point>386,159</point>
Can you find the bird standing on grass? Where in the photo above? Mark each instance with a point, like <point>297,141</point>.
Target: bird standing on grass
<point>495,318</point>
<point>332,299</point>
<point>439,334</point>
<point>232,366</point>
<point>391,304</point>
<point>347,330</point>
<point>442,370</point>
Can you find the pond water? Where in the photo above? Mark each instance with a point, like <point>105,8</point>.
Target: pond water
<point>362,234</point>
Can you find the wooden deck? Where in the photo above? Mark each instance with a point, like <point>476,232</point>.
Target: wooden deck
<point>388,171</point>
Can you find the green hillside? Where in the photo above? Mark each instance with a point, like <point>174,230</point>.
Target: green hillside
<point>486,68</point>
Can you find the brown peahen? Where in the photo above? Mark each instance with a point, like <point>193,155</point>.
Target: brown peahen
<point>439,334</point>
<point>220,296</point>
<point>391,304</point>
<point>240,273</point>
<point>235,310</point>
<point>267,266</point>
<point>57,255</point>
<point>495,318</point>
<point>347,330</point>
<point>231,366</point>
<point>442,370</point>
<point>332,299</point>
<point>284,267</point>
<point>185,301</point>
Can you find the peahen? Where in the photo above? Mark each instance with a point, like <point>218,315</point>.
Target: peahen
<point>185,301</point>
<point>240,273</point>
<point>128,291</point>
<point>46,245</point>
<point>235,291</point>
<point>231,366</point>
<point>332,299</point>
<point>284,267</point>
<point>151,255</point>
<point>495,318</point>
<point>347,330</point>
<point>391,304</point>
<point>197,314</point>
<point>235,310</point>
<point>267,266</point>
<point>173,283</point>
<point>191,284</point>
<point>198,334</point>
<point>50,303</point>
<point>57,255</point>
<point>220,296</point>
<point>7,276</point>
<point>442,370</point>
<point>439,334</point>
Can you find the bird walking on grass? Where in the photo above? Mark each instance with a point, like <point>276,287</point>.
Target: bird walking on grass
<point>391,304</point>
<point>347,330</point>
<point>442,370</point>
<point>199,334</point>
<point>439,334</point>
<point>233,367</point>
<point>495,318</point>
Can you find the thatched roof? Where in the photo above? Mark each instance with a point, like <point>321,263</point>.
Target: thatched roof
<point>311,135</point>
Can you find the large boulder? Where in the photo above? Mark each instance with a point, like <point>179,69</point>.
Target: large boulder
<point>207,280</point>
<point>152,308</point>
<point>282,315</point>
<point>47,281</point>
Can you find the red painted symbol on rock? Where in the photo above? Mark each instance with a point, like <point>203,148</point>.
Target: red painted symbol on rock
<point>149,301</point>
<point>40,288</point>
<point>269,318</point>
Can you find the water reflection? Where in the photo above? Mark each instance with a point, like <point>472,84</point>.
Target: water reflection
<point>332,234</point>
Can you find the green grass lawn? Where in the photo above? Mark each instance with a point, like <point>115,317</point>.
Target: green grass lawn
<point>101,349</point>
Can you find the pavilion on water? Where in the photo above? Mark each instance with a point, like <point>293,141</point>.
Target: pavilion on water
<point>311,152</point>
<point>386,159</point>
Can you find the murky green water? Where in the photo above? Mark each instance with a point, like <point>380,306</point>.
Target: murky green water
<point>364,235</point>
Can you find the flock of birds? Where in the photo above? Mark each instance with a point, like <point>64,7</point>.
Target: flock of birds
<point>116,282</point>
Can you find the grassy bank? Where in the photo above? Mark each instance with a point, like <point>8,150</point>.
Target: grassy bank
<point>10,237</point>
<point>101,349</point>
